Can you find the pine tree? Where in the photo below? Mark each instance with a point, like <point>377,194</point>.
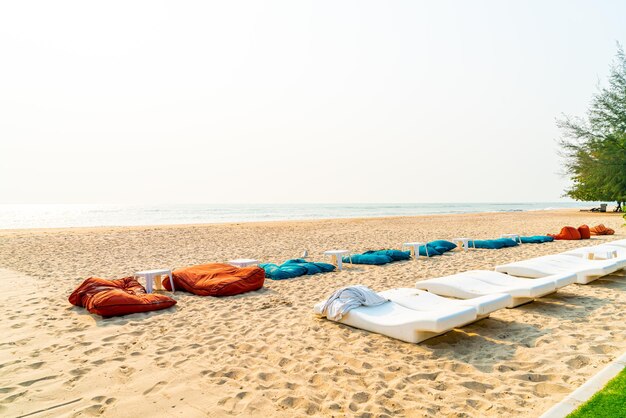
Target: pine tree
<point>594,147</point>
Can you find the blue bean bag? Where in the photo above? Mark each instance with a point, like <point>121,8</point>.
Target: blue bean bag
<point>441,246</point>
<point>294,268</point>
<point>487,244</point>
<point>396,255</point>
<point>437,247</point>
<point>431,251</point>
<point>507,242</point>
<point>536,239</point>
<point>493,244</point>
<point>379,257</point>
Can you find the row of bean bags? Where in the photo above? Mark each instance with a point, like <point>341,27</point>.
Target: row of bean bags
<point>117,297</point>
<point>216,279</point>
<point>378,257</point>
<point>601,230</point>
<point>294,268</point>
<point>571,233</point>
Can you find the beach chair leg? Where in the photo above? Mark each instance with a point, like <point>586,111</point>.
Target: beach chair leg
<point>171,282</point>
<point>148,283</point>
<point>339,263</point>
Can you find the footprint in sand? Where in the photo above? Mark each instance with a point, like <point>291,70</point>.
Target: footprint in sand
<point>549,389</point>
<point>603,349</point>
<point>477,404</point>
<point>361,397</point>
<point>236,404</point>
<point>578,362</point>
<point>91,351</point>
<point>111,338</point>
<point>103,399</point>
<point>422,376</point>
<point>36,365</point>
<point>28,383</point>
<point>79,372</point>
<point>9,363</point>
<point>178,363</point>
<point>93,410</point>
<point>532,377</point>
<point>477,386</point>
<point>290,402</point>
<point>12,398</point>
<point>155,388</point>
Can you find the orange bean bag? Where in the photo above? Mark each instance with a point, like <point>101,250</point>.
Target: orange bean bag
<point>117,297</point>
<point>584,232</point>
<point>601,230</point>
<point>217,279</point>
<point>567,232</point>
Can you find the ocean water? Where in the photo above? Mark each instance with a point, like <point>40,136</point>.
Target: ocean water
<point>13,216</point>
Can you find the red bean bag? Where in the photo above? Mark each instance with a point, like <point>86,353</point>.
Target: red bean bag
<point>567,232</point>
<point>601,230</point>
<point>117,297</point>
<point>217,279</point>
<point>584,232</point>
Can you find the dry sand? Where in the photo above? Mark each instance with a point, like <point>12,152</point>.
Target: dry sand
<point>265,353</point>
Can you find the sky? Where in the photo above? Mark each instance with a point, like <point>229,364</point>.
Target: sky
<point>294,101</point>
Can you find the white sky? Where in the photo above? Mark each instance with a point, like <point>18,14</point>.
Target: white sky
<point>294,101</point>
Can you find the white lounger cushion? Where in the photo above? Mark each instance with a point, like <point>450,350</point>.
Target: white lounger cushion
<point>464,286</point>
<point>586,270</point>
<point>406,324</point>
<point>421,300</point>
<point>494,277</point>
<point>602,252</point>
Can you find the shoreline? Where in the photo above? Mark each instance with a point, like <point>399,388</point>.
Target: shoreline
<point>571,211</point>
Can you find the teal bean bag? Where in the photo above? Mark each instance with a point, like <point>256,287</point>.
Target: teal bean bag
<point>396,255</point>
<point>493,244</point>
<point>507,242</point>
<point>536,239</point>
<point>486,244</point>
<point>294,268</point>
<point>437,247</point>
<point>441,246</point>
<point>431,251</point>
<point>379,257</point>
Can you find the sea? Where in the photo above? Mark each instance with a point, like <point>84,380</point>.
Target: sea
<point>22,216</point>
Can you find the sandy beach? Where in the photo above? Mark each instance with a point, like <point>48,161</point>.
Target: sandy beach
<point>265,353</point>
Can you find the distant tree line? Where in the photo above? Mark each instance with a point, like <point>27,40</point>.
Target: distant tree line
<point>594,146</point>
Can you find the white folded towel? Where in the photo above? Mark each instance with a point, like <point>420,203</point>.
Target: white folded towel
<point>347,298</point>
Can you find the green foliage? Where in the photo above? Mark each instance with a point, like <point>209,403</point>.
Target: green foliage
<point>595,147</point>
<point>609,402</point>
